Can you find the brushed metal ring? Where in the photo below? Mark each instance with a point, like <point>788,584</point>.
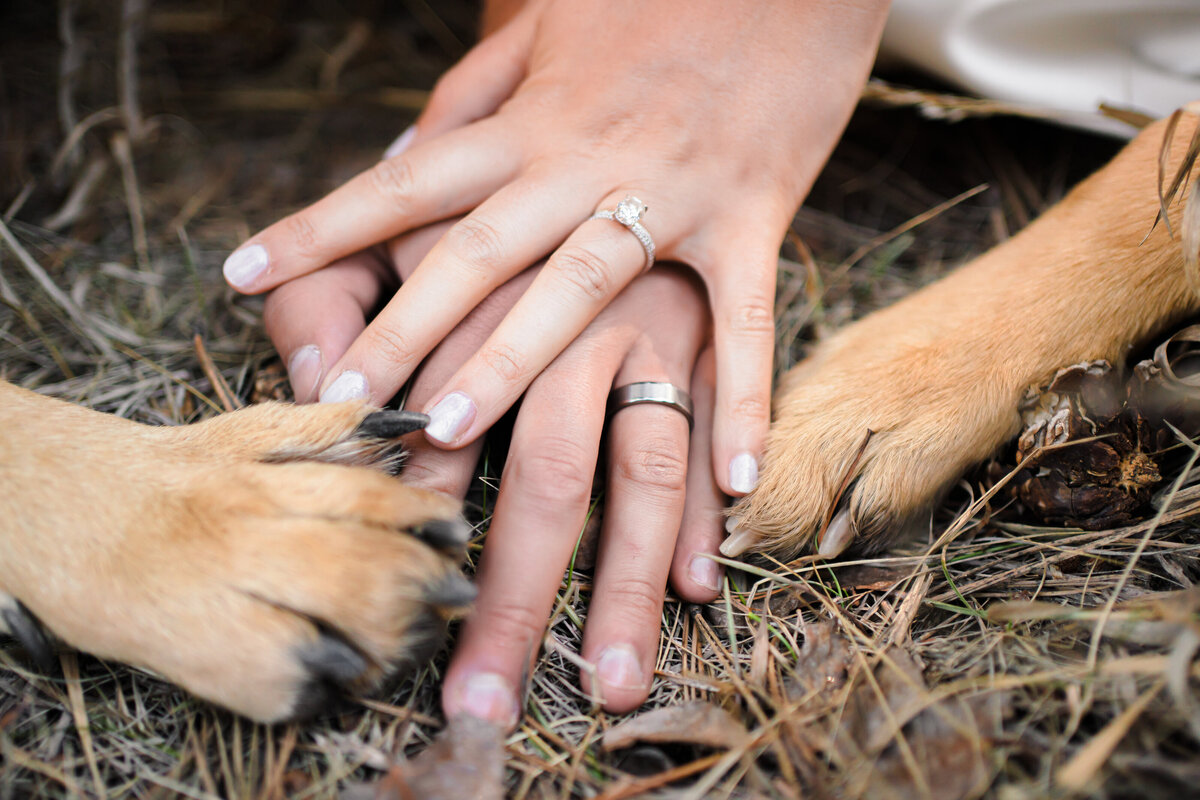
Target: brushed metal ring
<point>659,392</point>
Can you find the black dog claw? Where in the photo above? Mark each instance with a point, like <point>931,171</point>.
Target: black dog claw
<point>333,659</point>
<point>333,664</point>
<point>451,592</point>
<point>27,630</point>
<point>389,424</point>
<point>444,534</point>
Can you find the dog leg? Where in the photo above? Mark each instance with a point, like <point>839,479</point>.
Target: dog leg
<point>898,405</point>
<point>245,558</point>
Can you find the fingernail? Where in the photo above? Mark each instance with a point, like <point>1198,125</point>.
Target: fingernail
<point>488,696</point>
<point>350,385</point>
<point>450,417</point>
<point>705,572</point>
<point>304,370</point>
<point>618,668</point>
<point>739,541</point>
<point>838,536</point>
<point>743,473</point>
<point>402,143</point>
<point>244,266</point>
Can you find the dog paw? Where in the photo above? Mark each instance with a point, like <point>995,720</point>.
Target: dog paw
<point>261,560</point>
<point>869,430</point>
<point>894,408</point>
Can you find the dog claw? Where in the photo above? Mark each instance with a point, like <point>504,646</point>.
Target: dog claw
<point>444,534</point>
<point>451,594</point>
<point>333,664</point>
<point>838,536</point>
<point>27,630</point>
<point>317,698</point>
<point>334,660</point>
<point>739,541</point>
<point>390,424</point>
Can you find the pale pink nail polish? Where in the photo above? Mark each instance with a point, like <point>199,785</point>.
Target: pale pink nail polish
<point>489,696</point>
<point>244,266</point>
<point>402,143</point>
<point>304,371</point>
<point>743,473</point>
<point>450,418</point>
<point>618,668</point>
<point>705,572</point>
<point>350,385</point>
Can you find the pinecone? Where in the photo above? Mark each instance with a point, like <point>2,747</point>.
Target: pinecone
<point>1099,445</point>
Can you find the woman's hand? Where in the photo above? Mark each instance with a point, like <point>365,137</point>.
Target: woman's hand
<point>717,114</point>
<point>663,511</point>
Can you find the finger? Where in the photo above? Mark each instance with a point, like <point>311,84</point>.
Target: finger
<point>475,256</point>
<point>644,501</point>
<point>486,77</point>
<point>474,87</point>
<point>696,577</point>
<point>450,471</point>
<point>540,510</point>
<point>744,335</point>
<point>434,180</point>
<point>579,280</point>
<point>406,252</point>
<point>313,319</point>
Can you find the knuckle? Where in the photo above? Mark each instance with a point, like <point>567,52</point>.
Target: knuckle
<point>393,181</point>
<point>505,362</point>
<point>393,346</point>
<point>753,317</point>
<point>636,596</point>
<point>584,270</point>
<point>476,243</point>
<point>750,408</point>
<point>656,465</point>
<point>303,235</point>
<point>555,470</point>
<point>512,622</point>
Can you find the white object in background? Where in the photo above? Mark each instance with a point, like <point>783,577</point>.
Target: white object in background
<point>1066,56</point>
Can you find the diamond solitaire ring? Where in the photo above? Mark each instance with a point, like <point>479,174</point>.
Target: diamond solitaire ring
<point>629,213</point>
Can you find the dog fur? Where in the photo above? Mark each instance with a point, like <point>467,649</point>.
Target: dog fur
<point>936,379</point>
<point>255,559</point>
<point>263,561</point>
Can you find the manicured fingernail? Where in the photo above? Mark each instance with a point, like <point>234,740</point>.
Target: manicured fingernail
<point>402,143</point>
<point>450,417</point>
<point>838,536</point>
<point>350,385</point>
<point>705,572</point>
<point>304,371</point>
<point>743,473</point>
<point>739,541</point>
<point>489,696</point>
<point>244,266</point>
<point>618,668</point>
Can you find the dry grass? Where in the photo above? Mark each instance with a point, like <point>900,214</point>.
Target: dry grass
<point>121,201</point>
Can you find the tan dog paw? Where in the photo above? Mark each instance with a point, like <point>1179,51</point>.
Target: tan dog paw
<point>890,411</point>
<point>869,430</point>
<point>250,559</point>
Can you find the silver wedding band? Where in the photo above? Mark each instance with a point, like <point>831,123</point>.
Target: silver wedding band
<point>665,394</point>
<point>629,212</point>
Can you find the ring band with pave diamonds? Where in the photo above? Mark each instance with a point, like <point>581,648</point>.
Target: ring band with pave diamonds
<point>667,394</point>
<point>629,213</point>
